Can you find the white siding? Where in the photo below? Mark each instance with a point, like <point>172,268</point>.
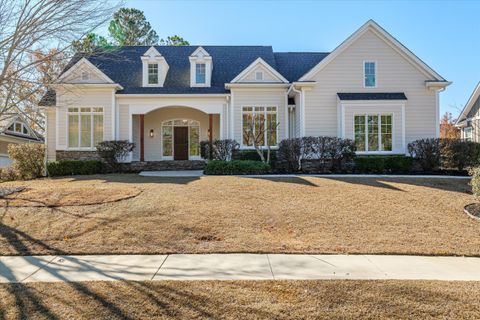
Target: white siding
<point>394,74</point>
<point>83,98</point>
<point>136,137</point>
<point>51,134</point>
<point>267,75</point>
<point>255,97</point>
<point>124,122</point>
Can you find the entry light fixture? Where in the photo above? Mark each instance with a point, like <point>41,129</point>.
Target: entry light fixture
<point>151,133</point>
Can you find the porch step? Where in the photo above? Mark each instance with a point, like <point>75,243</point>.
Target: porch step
<point>167,165</point>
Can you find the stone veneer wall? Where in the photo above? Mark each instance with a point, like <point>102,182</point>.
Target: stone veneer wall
<point>76,155</point>
<point>168,165</point>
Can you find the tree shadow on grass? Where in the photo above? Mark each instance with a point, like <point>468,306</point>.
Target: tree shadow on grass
<point>454,185</point>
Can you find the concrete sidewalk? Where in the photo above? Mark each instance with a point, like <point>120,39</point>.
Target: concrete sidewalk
<point>235,267</point>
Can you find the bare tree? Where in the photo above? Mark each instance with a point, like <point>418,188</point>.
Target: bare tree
<point>259,133</point>
<point>35,43</point>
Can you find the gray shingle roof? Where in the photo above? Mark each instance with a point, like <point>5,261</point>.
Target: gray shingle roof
<point>372,96</point>
<point>124,66</point>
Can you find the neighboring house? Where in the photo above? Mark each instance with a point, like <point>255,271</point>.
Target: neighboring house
<point>166,100</point>
<point>469,119</point>
<point>15,130</point>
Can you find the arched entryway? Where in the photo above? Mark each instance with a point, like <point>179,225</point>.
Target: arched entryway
<point>172,133</point>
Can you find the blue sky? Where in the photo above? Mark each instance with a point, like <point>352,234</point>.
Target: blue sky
<point>445,34</point>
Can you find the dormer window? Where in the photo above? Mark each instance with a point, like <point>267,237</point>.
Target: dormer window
<point>152,73</point>
<point>18,127</point>
<point>200,68</point>
<point>200,75</point>
<point>154,68</point>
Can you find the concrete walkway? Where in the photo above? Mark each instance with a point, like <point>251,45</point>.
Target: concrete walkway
<point>235,267</point>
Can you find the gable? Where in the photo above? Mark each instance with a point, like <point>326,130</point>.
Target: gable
<point>471,107</point>
<point>269,74</point>
<point>370,28</point>
<point>10,120</point>
<point>84,72</point>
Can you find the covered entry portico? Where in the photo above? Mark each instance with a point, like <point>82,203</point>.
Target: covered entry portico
<point>174,131</point>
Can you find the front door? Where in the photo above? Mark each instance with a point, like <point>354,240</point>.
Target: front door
<point>180,144</point>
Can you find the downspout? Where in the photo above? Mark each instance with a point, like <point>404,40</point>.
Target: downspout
<point>292,88</point>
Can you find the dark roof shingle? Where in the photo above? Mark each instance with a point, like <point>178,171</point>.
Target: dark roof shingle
<point>372,96</point>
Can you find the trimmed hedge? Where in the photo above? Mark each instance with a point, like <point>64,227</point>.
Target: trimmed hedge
<point>218,167</point>
<point>383,164</point>
<point>75,167</point>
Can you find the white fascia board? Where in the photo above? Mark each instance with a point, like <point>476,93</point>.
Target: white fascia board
<point>89,85</point>
<point>90,65</point>
<point>473,98</point>
<point>257,85</point>
<point>384,35</point>
<point>179,95</point>
<point>437,85</point>
<point>15,139</point>
<point>259,61</point>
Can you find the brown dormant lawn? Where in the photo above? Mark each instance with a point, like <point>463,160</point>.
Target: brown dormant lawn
<point>239,214</point>
<point>335,299</point>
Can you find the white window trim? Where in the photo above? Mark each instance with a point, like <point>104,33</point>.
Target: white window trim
<point>23,127</point>
<point>205,71</point>
<point>93,148</point>
<point>199,157</point>
<point>85,76</point>
<point>148,74</point>
<point>242,146</point>
<point>261,75</point>
<point>469,129</point>
<point>366,114</point>
<point>376,74</point>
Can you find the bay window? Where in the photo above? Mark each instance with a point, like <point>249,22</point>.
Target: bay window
<point>373,132</point>
<point>259,123</point>
<point>85,127</point>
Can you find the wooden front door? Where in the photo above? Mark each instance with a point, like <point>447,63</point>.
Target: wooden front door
<point>180,144</point>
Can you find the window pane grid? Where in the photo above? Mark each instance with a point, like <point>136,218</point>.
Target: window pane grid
<point>200,73</point>
<point>152,73</point>
<point>265,119</point>
<point>373,132</point>
<point>85,127</point>
<point>369,71</point>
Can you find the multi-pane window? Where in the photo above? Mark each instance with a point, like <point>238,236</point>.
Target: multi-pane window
<point>152,73</point>
<point>18,127</point>
<point>85,127</point>
<point>467,134</point>
<point>369,72</point>
<point>259,124</point>
<point>200,73</point>
<point>373,132</point>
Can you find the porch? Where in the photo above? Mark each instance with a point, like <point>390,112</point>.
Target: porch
<point>173,134</point>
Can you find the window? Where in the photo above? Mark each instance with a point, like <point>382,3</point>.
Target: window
<point>85,127</point>
<point>18,127</point>
<point>193,137</point>
<point>264,119</point>
<point>152,73</point>
<point>85,76</point>
<point>200,73</point>
<point>369,74</point>
<point>467,134</point>
<point>259,75</point>
<point>373,132</point>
